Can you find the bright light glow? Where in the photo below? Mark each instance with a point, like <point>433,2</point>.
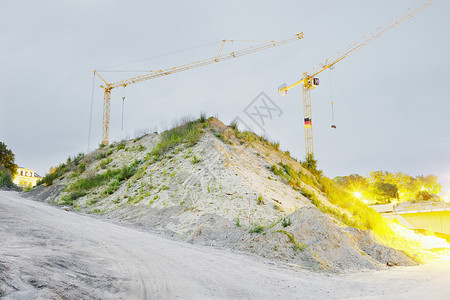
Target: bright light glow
<point>357,194</point>
<point>446,196</point>
<point>423,247</point>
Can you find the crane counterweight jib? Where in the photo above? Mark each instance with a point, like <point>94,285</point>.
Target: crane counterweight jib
<point>282,89</point>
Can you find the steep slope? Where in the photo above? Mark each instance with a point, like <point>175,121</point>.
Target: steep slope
<point>204,182</point>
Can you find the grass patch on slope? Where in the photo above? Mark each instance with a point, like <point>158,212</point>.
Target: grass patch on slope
<point>297,246</point>
<point>72,164</point>
<point>82,186</point>
<point>361,216</point>
<point>188,133</point>
<point>365,216</point>
<point>293,178</point>
<point>250,137</point>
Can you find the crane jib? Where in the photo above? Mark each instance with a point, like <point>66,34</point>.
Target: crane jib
<point>156,74</point>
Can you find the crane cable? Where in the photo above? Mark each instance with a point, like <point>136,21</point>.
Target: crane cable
<point>332,115</point>
<point>153,57</point>
<point>90,115</point>
<point>333,125</point>
<point>123,104</point>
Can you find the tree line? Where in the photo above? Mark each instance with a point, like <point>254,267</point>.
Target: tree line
<point>7,165</point>
<point>382,187</point>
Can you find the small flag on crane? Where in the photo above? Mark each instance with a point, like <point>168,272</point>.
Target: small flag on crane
<point>308,123</point>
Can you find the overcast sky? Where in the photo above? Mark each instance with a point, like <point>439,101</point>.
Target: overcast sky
<point>391,98</point>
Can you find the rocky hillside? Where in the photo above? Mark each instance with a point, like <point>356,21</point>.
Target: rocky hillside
<point>208,183</point>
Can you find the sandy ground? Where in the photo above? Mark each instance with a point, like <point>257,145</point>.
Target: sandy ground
<point>48,253</point>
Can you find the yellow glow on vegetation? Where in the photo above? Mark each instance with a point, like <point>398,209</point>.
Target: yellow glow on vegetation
<point>421,247</point>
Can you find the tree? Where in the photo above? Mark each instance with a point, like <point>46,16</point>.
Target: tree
<point>355,182</point>
<point>429,183</point>
<point>7,158</point>
<point>424,196</point>
<point>311,165</point>
<point>384,192</point>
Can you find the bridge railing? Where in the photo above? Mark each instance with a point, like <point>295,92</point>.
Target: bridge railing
<point>421,207</point>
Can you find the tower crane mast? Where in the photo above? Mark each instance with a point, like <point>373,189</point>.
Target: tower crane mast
<point>309,80</point>
<point>108,87</point>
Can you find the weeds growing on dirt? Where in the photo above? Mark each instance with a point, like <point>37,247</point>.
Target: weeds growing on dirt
<point>60,171</point>
<point>115,177</point>
<point>297,246</point>
<point>195,159</point>
<point>286,222</point>
<point>257,229</point>
<point>188,133</point>
<point>237,222</point>
<point>260,200</point>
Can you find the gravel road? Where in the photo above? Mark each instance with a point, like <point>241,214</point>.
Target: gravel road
<point>49,253</point>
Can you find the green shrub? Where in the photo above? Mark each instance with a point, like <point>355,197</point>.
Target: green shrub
<point>139,199</point>
<point>237,221</point>
<point>70,198</point>
<point>49,178</point>
<point>221,137</point>
<point>121,145</point>
<point>113,186</point>
<point>105,162</point>
<point>203,118</point>
<point>92,201</point>
<point>101,155</point>
<point>307,194</point>
<point>164,188</point>
<point>311,165</point>
<point>260,200</point>
<point>5,178</point>
<point>77,159</point>
<point>141,172</point>
<point>81,168</point>
<point>286,222</point>
<point>195,159</point>
<point>257,229</point>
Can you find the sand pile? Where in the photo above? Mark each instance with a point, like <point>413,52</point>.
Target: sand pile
<point>221,192</point>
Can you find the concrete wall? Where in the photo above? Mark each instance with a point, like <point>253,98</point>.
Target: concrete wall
<point>437,221</point>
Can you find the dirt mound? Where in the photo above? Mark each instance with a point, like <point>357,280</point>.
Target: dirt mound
<point>207,183</point>
<point>385,255</point>
<point>43,193</point>
<point>312,239</point>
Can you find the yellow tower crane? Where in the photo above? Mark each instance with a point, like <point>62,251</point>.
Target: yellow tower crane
<point>108,87</point>
<point>309,80</point>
